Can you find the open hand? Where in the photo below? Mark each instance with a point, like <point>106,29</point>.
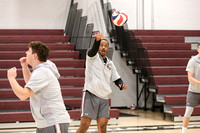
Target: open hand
<point>99,36</point>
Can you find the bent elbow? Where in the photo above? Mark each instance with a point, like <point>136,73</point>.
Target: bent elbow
<point>189,79</point>
<point>22,98</point>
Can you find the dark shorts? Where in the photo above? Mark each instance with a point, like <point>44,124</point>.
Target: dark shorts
<point>58,128</point>
<point>192,99</point>
<point>94,107</point>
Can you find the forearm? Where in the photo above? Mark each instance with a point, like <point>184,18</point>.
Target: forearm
<point>193,80</point>
<point>17,89</point>
<point>26,73</point>
<point>94,49</point>
<point>119,82</point>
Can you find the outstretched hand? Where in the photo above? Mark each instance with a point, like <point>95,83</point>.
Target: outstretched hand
<point>99,36</point>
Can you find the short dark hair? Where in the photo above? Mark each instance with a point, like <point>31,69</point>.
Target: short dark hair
<point>105,40</point>
<point>198,45</point>
<point>40,49</point>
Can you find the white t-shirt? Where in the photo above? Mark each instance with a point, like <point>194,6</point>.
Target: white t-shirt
<point>98,76</point>
<point>46,103</point>
<point>193,66</point>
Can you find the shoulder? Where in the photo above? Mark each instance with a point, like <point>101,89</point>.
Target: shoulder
<point>195,59</point>
<point>41,72</point>
<point>110,62</point>
<point>94,57</point>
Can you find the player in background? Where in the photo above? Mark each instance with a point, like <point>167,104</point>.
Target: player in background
<point>193,95</point>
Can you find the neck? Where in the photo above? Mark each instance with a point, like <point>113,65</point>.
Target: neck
<point>103,57</point>
<point>36,63</point>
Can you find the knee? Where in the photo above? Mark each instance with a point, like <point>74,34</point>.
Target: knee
<point>103,126</point>
<point>84,126</point>
<point>188,111</point>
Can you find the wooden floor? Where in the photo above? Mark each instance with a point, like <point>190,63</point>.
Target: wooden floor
<point>132,121</point>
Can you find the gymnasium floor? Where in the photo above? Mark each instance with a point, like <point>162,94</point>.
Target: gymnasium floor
<point>134,121</point>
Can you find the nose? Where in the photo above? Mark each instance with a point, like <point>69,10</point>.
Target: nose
<point>103,47</point>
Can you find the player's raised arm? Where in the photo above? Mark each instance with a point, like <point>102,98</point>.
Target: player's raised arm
<point>26,71</point>
<point>96,44</point>
<point>20,92</point>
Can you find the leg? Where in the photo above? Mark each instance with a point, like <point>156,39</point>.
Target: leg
<point>186,119</point>
<point>192,100</point>
<point>85,123</point>
<point>102,124</point>
<point>103,115</point>
<point>64,127</point>
<point>185,124</point>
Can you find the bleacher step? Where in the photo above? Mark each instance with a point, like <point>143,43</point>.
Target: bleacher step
<point>167,32</point>
<point>27,116</point>
<point>172,79</point>
<point>25,32</point>
<point>53,54</point>
<point>172,89</point>
<point>59,63</point>
<point>28,39</point>
<point>161,39</point>
<point>64,72</point>
<point>24,47</point>
<point>78,82</point>
<point>167,46</point>
<point>66,92</point>
<point>167,70</point>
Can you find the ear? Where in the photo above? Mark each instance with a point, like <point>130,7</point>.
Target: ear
<point>35,56</point>
<point>198,50</point>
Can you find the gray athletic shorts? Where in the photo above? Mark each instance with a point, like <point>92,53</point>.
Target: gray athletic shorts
<point>94,107</point>
<point>192,99</point>
<point>58,128</point>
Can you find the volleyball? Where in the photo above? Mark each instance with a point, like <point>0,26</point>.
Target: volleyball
<point>119,18</point>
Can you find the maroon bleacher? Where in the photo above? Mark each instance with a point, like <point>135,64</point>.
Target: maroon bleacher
<point>53,54</point>
<point>59,63</point>
<point>180,110</point>
<point>27,39</point>
<point>174,70</point>
<point>26,116</point>
<point>24,46</point>
<point>168,61</point>
<point>168,55</point>
<point>63,82</point>
<point>167,46</point>
<point>172,89</point>
<point>169,79</point>
<point>13,45</point>
<point>161,39</point>
<point>79,72</point>
<point>28,32</point>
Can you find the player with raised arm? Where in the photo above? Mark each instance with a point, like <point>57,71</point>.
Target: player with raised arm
<point>99,72</point>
